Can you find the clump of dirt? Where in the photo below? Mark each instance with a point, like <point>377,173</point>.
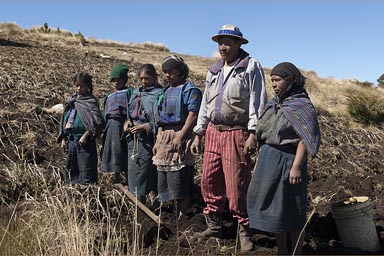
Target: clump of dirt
<point>38,73</point>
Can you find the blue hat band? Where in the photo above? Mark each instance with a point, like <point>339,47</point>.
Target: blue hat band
<point>230,32</point>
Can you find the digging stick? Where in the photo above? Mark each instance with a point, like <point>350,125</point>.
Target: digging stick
<point>133,198</point>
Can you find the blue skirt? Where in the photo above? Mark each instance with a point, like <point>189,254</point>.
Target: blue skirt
<point>175,184</point>
<point>81,163</point>
<point>114,157</point>
<point>273,204</point>
<point>142,173</point>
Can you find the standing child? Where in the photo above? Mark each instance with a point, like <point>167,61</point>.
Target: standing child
<point>178,109</point>
<point>142,173</point>
<point>114,156</point>
<point>287,130</point>
<point>80,123</point>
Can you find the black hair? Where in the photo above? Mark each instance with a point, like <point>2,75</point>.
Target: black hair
<point>176,62</point>
<point>84,77</point>
<point>149,69</point>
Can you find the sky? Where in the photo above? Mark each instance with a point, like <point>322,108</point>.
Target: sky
<point>335,38</point>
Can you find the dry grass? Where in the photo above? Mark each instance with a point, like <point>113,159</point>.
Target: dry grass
<point>67,220</point>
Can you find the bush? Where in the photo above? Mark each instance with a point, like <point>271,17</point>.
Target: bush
<point>365,108</point>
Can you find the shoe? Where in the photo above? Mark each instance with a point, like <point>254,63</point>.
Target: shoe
<point>246,243</point>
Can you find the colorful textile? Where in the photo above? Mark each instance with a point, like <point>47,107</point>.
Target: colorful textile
<point>116,104</point>
<point>87,109</point>
<point>175,103</point>
<point>227,172</point>
<point>142,173</point>
<point>142,105</point>
<point>299,110</point>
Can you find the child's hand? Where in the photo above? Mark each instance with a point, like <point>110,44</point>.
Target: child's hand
<point>83,140</point>
<point>127,125</point>
<point>64,145</point>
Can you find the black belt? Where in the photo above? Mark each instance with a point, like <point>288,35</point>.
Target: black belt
<point>226,127</point>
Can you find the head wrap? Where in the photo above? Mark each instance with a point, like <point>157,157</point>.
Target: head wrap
<point>288,70</point>
<point>119,71</point>
<point>175,62</point>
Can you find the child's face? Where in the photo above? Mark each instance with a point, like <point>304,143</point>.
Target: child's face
<point>279,85</point>
<point>81,88</point>
<point>172,77</point>
<point>117,83</point>
<point>146,80</point>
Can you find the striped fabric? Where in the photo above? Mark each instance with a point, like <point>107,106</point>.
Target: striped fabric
<point>226,172</point>
<point>300,112</point>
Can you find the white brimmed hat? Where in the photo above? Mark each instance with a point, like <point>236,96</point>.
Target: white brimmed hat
<point>230,30</point>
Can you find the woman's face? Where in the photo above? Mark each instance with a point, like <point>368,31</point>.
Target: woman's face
<point>173,77</point>
<point>279,85</point>
<point>146,80</point>
<point>81,88</point>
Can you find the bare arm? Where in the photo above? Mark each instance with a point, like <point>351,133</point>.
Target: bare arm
<point>300,157</point>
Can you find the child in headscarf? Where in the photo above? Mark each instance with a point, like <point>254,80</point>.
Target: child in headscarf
<point>178,108</point>
<point>287,131</point>
<point>80,123</point>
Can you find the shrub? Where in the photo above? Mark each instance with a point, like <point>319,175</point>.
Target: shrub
<point>364,84</point>
<point>365,108</point>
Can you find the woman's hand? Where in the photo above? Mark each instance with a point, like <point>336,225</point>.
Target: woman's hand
<point>294,175</point>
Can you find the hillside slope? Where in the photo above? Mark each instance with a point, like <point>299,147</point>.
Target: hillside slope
<point>36,72</point>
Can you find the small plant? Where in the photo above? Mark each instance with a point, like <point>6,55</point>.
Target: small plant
<point>366,109</point>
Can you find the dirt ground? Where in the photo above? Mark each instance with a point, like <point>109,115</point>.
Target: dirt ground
<point>36,74</point>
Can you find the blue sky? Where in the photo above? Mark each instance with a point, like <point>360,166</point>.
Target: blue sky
<point>334,38</point>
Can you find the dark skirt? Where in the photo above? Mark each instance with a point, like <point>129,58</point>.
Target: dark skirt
<point>273,204</point>
<point>114,157</point>
<point>142,173</point>
<point>175,184</point>
<point>81,163</point>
